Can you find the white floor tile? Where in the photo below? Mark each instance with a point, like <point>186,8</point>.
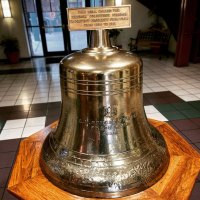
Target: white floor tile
<point>16,86</point>
<point>41,90</point>
<point>180,92</point>
<point>160,80</point>
<point>32,88</point>
<point>13,92</point>
<point>25,96</point>
<point>31,130</point>
<point>179,82</point>
<point>7,103</point>
<point>194,91</point>
<point>167,83</point>
<point>9,134</point>
<point>41,95</point>
<point>173,87</point>
<point>198,96</point>
<point>2,93</point>
<point>17,123</point>
<point>36,121</point>
<point>23,101</point>
<point>171,78</point>
<point>54,90</point>
<point>147,90</point>
<point>55,82</point>
<point>158,89</point>
<point>150,109</point>
<point>54,94</point>
<point>3,89</point>
<point>187,86</point>
<point>5,85</point>
<point>54,99</point>
<point>151,85</point>
<point>29,84</point>
<point>157,116</point>
<point>46,86</point>
<point>189,97</point>
<point>192,81</point>
<point>197,85</point>
<point>40,100</point>
<point>10,98</point>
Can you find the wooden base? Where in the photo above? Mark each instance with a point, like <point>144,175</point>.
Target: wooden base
<point>28,182</point>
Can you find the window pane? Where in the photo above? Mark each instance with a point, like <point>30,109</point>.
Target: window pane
<point>75,3</point>
<point>33,20</point>
<point>52,19</point>
<point>54,39</point>
<point>46,5</point>
<point>35,41</point>
<point>55,5</point>
<point>50,5</point>
<point>30,13</point>
<point>30,5</point>
<point>78,39</point>
<point>96,3</point>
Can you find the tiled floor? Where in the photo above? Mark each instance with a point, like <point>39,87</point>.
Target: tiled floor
<point>30,100</point>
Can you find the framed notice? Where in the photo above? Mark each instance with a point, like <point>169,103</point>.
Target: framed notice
<point>95,18</point>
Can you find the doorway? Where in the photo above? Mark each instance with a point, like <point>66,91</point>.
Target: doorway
<point>195,50</point>
<point>188,19</point>
<point>46,22</point>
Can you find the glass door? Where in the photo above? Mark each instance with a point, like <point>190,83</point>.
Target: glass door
<point>55,35</point>
<point>46,22</point>
<point>53,26</point>
<point>33,27</point>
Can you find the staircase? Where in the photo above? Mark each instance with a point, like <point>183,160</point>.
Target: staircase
<point>169,10</point>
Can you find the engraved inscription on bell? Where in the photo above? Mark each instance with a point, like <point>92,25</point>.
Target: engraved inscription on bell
<point>103,145</point>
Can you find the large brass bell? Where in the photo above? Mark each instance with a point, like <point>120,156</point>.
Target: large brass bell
<point>103,145</point>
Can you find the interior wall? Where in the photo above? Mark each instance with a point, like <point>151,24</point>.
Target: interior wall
<point>172,45</point>
<point>15,27</point>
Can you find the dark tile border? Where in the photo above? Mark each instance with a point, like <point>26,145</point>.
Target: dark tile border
<point>7,159</point>
<point>184,124</point>
<point>4,174</point>
<point>195,194</point>
<point>25,70</point>
<point>9,145</point>
<point>1,192</point>
<point>34,110</point>
<point>8,196</point>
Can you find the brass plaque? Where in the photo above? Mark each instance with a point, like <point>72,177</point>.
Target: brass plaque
<point>94,18</point>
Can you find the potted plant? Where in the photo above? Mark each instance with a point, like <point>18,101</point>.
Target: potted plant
<point>114,33</point>
<point>11,48</point>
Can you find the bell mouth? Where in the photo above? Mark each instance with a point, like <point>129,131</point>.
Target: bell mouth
<point>78,176</point>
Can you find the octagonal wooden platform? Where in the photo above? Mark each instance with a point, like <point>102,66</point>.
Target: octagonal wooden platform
<point>27,181</point>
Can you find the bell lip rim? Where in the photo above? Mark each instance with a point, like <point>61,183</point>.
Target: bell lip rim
<point>94,194</point>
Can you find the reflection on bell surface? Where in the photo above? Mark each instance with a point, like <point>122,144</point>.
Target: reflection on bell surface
<point>103,145</point>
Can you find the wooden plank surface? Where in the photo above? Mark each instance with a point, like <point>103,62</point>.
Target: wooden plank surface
<point>28,182</point>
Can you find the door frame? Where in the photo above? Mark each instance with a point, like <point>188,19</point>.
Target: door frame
<point>185,32</point>
<point>66,37</point>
